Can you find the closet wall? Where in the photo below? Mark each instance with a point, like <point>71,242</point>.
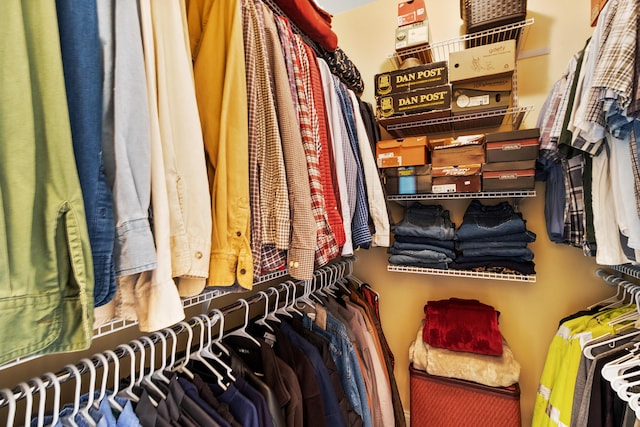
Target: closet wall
<point>566,280</point>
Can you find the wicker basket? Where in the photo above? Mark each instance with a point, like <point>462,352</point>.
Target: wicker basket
<point>480,15</point>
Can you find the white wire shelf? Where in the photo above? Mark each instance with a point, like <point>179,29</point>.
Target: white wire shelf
<point>117,325</point>
<point>439,51</point>
<point>632,270</point>
<point>481,195</point>
<point>461,273</point>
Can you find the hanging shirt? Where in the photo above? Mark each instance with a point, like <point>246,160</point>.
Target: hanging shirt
<point>215,29</point>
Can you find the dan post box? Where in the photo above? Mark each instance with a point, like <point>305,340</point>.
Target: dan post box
<point>410,151</point>
<point>423,76</point>
<point>416,101</point>
<point>482,61</point>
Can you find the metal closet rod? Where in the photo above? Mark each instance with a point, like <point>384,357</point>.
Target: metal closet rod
<point>344,267</point>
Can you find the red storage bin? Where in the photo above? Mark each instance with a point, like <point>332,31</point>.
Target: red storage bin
<point>441,402</point>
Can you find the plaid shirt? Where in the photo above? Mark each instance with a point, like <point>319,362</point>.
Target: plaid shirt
<point>327,247</point>
<point>574,231</point>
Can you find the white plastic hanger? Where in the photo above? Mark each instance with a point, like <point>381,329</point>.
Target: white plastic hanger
<point>159,374</point>
<point>128,392</point>
<point>182,367</point>
<point>56,396</point>
<point>147,379</point>
<point>283,310</point>
<point>42,400</point>
<point>84,411</point>
<point>611,342</point>
<point>11,399</point>
<point>197,355</point>
<point>263,320</point>
<point>242,331</point>
<point>105,377</point>
<point>174,348</point>
<point>207,351</point>
<point>75,373</point>
<point>613,368</point>
<point>272,314</point>
<point>218,341</point>
<point>26,390</point>
<point>116,380</point>
<point>291,308</point>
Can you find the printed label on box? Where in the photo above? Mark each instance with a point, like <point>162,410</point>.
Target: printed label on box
<point>444,188</point>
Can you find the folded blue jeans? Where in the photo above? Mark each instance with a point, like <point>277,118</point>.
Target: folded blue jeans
<point>416,262</point>
<point>401,246</point>
<point>480,221</point>
<point>426,221</point>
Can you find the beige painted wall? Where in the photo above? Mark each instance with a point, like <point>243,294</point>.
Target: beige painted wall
<point>566,280</point>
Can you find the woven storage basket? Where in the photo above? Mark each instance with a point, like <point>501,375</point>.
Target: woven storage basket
<point>479,15</point>
<point>443,402</point>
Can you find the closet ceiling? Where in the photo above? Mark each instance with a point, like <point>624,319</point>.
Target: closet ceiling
<point>338,6</point>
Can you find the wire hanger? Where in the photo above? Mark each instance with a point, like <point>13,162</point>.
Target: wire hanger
<point>11,398</point>
<point>75,373</point>
<point>84,410</point>
<point>242,331</point>
<point>116,380</point>
<point>26,390</point>
<point>42,400</point>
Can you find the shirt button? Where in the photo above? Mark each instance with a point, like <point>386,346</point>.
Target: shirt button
<point>290,263</point>
<point>243,271</point>
<point>238,233</point>
<point>198,255</point>
<point>296,264</point>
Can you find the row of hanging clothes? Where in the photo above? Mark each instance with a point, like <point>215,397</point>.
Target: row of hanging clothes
<point>591,375</point>
<point>311,353</point>
<point>588,142</point>
<point>158,149</point>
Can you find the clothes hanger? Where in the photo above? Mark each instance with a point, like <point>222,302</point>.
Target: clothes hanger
<point>611,280</point>
<point>304,300</point>
<point>11,399</point>
<point>588,348</point>
<point>218,341</point>
<point>182,367</point>
<point>53,379</point>
<point>174,348</point>
<point>26,390</point>
<point>128,392</point>
<point>612,368</point>
<point>263,320</point>
<point>272,314</point>
<point>42,400</point>
<point>283,310</point>
<point>630,316</point>
<point>75,373</point>
<point>84,410</point>
<point>116,380</point>
<point>197,355</point>
<point>209,354</point>
<point>242,331</point>
<point>147,378</point>
<point>143,357</point>
<point>159,374</point>
<point>105,377</point>
<point>291,307</point>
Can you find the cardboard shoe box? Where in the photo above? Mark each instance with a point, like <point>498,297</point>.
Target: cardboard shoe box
<point>508,180</point>
<point>464,150</point>
<point>457,170</point>
<point>413,35</point>
<point>410,12</point>
<point>423,76</point>
<point>416,101</point>
<point>410,151</point>
<point>456,184</point>
<point>513,145</point>
<point>482,61</point>
<point>407,180</point>
<point>481,95</point>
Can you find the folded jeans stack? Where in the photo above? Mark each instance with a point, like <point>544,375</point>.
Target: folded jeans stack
<point>494,238</point>
<point>424,238</point>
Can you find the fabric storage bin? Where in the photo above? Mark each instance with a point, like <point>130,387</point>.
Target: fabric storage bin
<point>480,15</point>
<point>442,402</point>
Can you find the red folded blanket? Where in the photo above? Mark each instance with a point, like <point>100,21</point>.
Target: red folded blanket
<point>312,20</point>
<point>462,325</point>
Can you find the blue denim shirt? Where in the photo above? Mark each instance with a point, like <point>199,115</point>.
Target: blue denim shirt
<point>346,360</point>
